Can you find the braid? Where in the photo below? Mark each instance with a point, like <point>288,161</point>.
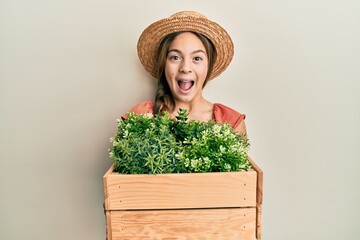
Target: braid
<point>163,97</point>
<point>164,100</point>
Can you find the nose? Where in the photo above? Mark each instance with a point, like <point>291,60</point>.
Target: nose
<point>185,66</point>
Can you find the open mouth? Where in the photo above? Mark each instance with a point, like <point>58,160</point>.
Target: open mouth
<point>185,85</point>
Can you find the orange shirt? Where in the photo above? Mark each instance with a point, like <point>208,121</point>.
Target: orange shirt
<point>221,113</point>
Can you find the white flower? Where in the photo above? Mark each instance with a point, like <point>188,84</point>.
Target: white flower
<point>187,162</point>
<point>148,115</point>
<point>227,167</point>
<point>216,128</point>
<point>227,132</point>
<point>222,148</point>
<point>194,163</point>
<point>207,161</point>
<point>115,143</point>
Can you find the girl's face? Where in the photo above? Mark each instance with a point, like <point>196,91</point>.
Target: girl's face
<point>186,68</point>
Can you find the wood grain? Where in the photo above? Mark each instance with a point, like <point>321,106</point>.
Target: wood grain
<point>171,191</point>
<point>184,206</point>
<point>105,182</point>
<point>260,180</point>
<point>231,223</point>
<point>108,225</point>
<point>258,222</point>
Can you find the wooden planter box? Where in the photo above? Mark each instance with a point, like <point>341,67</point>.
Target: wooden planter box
<point>184,206</point>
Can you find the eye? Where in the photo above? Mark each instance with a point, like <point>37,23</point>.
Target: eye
<point>174,57</point>
<point>197,59</point>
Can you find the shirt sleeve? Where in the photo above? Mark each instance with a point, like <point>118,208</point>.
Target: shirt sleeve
<point>224,114</point>
<point>141,108</point>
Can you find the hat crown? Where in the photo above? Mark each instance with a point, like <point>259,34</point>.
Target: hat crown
<point>185,21</point>
<point>184,14</point>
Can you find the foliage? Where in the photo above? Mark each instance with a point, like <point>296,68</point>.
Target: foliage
<point>146,143</point>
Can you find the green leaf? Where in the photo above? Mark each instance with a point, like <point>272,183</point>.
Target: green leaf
<point>153,144</point>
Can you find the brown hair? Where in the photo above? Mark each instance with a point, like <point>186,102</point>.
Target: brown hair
<point>164,100</point>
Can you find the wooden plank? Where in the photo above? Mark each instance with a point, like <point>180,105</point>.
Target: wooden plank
<point>108,225</point>
<point>106,194</point>
<point>260,180</point>
<point>228,223</point>
<point>258,222</point>
<point>178,191</point>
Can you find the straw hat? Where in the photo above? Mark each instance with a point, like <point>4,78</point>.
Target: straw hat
<point>185,21</point>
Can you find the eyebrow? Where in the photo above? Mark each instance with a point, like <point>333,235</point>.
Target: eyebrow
<point>194,52</point>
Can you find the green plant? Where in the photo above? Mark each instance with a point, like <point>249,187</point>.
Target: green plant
<point>146,143</point>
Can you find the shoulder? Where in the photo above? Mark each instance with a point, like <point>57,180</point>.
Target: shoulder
<point>141,108</point>
<point>225,114</point>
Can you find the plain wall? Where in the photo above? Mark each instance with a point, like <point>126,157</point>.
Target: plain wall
<point>69,69</point>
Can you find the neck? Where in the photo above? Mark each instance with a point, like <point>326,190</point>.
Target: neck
<point>201,110</point>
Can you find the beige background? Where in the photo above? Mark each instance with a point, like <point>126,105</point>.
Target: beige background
<point>68,69</point>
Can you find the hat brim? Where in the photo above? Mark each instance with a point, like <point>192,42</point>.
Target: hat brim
<point>151,37</point>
